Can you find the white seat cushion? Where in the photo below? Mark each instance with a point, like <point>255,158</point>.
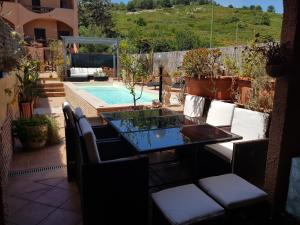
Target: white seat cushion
<point>91,71</point>
<point>186,204</point>
<point>220,113</point>
<point>249,124</point>
<point>193,106</point>
<point>89,140</point>
<point>231,191</point>
<point>79,72</point>
<point>223,150</point>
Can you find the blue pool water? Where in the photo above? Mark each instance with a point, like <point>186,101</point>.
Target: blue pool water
<point>118,94</point>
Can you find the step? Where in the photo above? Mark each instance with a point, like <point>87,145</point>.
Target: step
<point>52,89</point>
<point>53,94</point>
<point>49,85</point>
<point>50,78</point>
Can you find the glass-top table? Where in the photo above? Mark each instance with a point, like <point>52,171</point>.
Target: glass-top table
<point>140,114</point>
<point>161,129</point>
<point>150,123</point>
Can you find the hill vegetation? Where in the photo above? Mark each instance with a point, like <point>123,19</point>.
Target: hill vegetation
<point>169,25</point>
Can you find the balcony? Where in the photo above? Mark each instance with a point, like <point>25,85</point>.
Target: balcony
<point>39,9</point>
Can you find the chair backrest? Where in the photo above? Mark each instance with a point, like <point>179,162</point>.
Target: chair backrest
<point>68,114</point>
<point>193,106</point>
<point>220,113</point>
<point>89,140</point>
<point>249,124</point>
<point>78,113</point>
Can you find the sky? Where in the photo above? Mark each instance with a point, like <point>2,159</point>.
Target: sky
<point>239,3</point>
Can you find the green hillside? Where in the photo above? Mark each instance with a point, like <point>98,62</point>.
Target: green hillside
<point>161,25</point>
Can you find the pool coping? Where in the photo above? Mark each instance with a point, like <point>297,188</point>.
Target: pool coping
<point>96,102</point>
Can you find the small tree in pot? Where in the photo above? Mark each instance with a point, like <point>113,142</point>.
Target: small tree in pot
<point>28,74</point>
<point>135,70</point>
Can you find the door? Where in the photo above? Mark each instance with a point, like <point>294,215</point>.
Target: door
<point>40,34</point>
<point>36,3</point>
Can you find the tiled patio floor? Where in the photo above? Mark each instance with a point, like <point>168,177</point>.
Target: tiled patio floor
<point>43,198</point>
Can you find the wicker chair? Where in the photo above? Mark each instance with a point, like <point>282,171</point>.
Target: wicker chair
<point>245,157</point>
<point>113,182</point>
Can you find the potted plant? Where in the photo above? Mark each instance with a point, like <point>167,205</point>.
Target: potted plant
<point>32,132</point>
<point>36,131</point>
<point>27,75</point>
<point>204,76</point>
<point>276,62</point>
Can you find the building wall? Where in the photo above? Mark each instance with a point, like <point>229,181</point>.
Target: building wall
<point>19,15</point>
<point>49,25</point>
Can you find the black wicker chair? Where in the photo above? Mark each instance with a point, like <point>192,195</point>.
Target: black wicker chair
<point>101,132</point>
<point>114,185</point>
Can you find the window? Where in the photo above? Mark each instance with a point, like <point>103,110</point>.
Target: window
<point>39,34</point>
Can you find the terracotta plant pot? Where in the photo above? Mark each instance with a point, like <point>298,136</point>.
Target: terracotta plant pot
<point>243,89</point>
<point>26,109</point>
<point>38,137</point>
<point>215,88</point>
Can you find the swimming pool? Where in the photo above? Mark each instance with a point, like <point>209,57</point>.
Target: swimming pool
<point>117,94</point>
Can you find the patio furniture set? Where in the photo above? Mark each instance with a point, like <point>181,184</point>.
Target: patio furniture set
<point>79,74</point>
<point>111,164</point>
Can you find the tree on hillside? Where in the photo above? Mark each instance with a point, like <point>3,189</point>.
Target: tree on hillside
<point>265,20</point>
<point>131,6</point>
<point>252,7</point>
<point>230,6</point>
<point>271,9</point>
<point>97,12</point>
<point>166,3</point>
<point>258,8</point>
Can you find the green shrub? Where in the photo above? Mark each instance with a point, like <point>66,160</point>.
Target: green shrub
<point>26,130</point>
<point>201,63</point>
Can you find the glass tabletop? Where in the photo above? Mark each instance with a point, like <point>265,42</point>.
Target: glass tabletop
<point>150,123</point>
<point>156,140</point>
<point>141,114</point>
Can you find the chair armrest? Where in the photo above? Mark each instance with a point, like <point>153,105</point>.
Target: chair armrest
<point>249,160</point>
<point>115,191</point>
<point>114,149</point>
<point>226,128</point>
<point>104,132</point>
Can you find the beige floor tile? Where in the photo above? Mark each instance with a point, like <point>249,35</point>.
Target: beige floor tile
<point>32,214</point>
<point>54,197</point>
<point>62,217</point>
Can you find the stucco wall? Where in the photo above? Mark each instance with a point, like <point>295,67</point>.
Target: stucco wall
<point>49,25</point>
<point>7,83</point>
<point>18,15</point>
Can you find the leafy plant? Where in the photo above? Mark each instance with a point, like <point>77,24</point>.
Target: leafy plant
<point>27,129</point>
<point>33,129</point>
<point>134,70</point>
<point>201,63</point>
<point>273,52</point>
<point>28,74</point>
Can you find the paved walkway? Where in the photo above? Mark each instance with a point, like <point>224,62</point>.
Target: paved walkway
<point>38,191</point>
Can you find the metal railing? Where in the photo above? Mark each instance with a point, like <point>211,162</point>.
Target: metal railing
<point>39,9</point>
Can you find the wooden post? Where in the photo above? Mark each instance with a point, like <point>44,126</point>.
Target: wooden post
<point>284,131</point>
